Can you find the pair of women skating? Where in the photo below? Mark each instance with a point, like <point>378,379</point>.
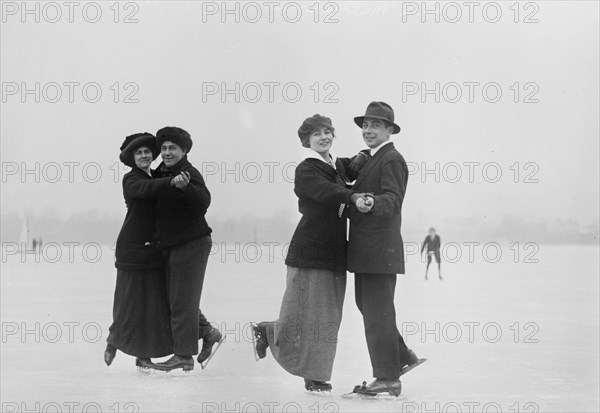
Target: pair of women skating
<point>161,256</point>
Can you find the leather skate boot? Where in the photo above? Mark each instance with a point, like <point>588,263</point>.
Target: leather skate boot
<point>176,362</point>
<point>411,362</point>
<point>316,386</point>
<point>143,363</point>
<point>391,386</point>
<point>208,341</point>
<point>262,343</point>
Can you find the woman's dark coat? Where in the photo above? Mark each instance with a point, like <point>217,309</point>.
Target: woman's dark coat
<point>135,248</point>
<point>141,317</point>
<point>320,237</point>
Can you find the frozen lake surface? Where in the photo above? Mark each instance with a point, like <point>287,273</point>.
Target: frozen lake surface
<point>504,336</point>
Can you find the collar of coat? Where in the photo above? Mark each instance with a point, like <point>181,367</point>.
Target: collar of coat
<point>338,174</point>
<point>174,170</point>
<point>138,171</point>
<point>312,154</point>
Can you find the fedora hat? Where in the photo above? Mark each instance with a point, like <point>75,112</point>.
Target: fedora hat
<point>378,110</point>
<point>133,143</point>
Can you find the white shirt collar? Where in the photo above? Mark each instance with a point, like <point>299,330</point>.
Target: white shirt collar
<point>374,150</point>
<point>312,154</point>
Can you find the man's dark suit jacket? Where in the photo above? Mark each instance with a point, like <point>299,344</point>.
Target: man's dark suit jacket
<point>375,244</point>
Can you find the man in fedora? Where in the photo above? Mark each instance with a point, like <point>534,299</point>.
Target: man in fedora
<point>375,249</point>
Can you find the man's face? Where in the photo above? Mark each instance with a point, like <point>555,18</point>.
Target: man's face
<point>171,153</point>
<point>375,132</point>
<point>432,233</point>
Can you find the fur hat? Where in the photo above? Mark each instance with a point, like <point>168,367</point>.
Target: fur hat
<point>133,142</point>
<point>175,135</point>
<point>311,124</point>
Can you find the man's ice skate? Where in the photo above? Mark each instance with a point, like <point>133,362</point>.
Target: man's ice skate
<point>214,336</point>
<point>379,389</point>
<point>176,362</point>
<point>260,343</point>
<point>412,362</point>
<point>320,388</point>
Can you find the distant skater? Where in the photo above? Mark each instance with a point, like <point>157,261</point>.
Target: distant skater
<point>433,243</point>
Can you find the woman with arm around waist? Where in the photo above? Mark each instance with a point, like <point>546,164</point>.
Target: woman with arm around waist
<point>141,316</point>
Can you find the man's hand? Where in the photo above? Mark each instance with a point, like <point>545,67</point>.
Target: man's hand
<point>181,181</point>
<point>363,202</point>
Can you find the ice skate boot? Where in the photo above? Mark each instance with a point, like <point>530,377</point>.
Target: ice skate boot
<point>176,362</point>
<point>261,343</point>
<point>143,363</point>
<point>411,362</point>
<point>315,386</point>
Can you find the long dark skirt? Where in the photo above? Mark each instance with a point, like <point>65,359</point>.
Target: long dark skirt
<point>141,317</point>
<point>304,338</point>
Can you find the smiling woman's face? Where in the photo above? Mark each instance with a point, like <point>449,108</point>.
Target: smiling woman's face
<point>321,140</point>
<point>142,157</point>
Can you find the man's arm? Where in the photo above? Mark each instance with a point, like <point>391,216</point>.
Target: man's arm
<point>195,194</point>
<point>355,164</point>
<point>393,187</point>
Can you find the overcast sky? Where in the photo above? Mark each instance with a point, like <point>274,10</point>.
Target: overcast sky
<point>174,65</point>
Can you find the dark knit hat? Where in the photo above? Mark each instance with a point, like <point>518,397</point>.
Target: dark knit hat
<point>175,135</point>
<point>312,124</point>
<point>133,142</point>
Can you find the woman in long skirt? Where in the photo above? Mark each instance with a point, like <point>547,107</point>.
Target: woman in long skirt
<point>141,316</point>
<point>304,338</point>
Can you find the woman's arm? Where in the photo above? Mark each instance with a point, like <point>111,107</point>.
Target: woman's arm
<point>138,187</point>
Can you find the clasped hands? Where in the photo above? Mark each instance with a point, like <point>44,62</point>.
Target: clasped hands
<point>364,202</point>
<point>181,181</point>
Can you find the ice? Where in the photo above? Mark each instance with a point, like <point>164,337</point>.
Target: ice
<point>546,358</point>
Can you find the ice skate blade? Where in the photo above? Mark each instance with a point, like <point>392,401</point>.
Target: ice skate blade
<point>212,354</point>
<point>316,393</point>
<point>373,396</point>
